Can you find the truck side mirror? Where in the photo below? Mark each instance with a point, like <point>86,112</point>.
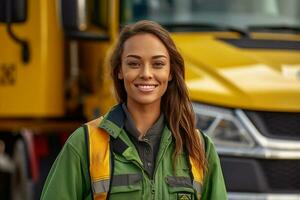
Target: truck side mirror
<point>76,16</point>
<point>13,10</point>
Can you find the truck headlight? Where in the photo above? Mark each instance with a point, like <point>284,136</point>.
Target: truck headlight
<point>222,125</point>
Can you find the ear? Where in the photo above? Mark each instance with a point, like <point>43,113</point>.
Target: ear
<point>120,75</point>
<point>170,77</point>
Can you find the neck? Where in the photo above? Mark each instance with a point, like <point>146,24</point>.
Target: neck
<point>144,115</point>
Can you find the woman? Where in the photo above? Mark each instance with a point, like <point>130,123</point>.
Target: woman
<point>150,137</point>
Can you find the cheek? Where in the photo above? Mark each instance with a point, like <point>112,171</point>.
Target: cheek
<point>128,77</point>
<point>164,77</point>
<point>168,75</point>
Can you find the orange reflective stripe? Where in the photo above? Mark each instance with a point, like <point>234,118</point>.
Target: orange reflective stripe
<point>99,153</point>
<point>197,172</point>
<point>198,177</point>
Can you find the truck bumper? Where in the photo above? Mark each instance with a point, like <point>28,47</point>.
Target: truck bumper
<point>263,196</point>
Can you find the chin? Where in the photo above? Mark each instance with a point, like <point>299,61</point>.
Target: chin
<point>147,100</point>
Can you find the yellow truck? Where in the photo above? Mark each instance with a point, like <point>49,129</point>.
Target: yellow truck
<point>242,70</point>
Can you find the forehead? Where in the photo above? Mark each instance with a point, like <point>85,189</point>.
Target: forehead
<point>144,44</point>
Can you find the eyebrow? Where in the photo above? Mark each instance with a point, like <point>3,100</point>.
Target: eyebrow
<point>139,57</point>
<point>159,56</point>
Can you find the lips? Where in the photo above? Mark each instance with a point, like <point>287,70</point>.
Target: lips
<point>146,87</point>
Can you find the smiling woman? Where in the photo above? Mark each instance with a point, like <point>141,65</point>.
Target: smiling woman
<point>147,146</point>
<point>145,71</point>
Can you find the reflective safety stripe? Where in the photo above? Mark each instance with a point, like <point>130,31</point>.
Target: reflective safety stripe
<point>179,181</point>
<point>197,186</point>
<point>126,179</point>
<point>101,186</point>
<point>197,172</point>
<point>99,155</point>
<point>183,182</point>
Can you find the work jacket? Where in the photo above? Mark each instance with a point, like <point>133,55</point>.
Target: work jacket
<point>70,176</point>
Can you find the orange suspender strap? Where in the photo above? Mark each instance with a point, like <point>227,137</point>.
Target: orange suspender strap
<point>99,159</point>
<point>198,177</point>
<point>197,172</point>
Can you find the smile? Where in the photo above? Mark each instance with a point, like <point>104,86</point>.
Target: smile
<point>146,88</point>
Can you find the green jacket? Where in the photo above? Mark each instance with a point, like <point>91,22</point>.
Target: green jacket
<point>69,176</point>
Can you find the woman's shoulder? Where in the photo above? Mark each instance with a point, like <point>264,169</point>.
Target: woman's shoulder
<point>76,141</point>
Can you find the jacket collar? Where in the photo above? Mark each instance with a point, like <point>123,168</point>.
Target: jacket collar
<point>113,121</point>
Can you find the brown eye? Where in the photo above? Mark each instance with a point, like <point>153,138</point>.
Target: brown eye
<point>158,64</point>
<point>133,64</point>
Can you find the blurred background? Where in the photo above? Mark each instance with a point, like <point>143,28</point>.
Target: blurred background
<point>242,69</point>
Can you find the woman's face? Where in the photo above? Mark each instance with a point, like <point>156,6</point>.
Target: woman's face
<point>145,69</point>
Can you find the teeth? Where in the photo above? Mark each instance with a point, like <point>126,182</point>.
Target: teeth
<point>146,88</point>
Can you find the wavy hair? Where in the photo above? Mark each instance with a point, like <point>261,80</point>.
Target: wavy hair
<point>181,120</point>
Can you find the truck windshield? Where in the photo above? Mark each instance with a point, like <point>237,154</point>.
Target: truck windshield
<point>240,14</point>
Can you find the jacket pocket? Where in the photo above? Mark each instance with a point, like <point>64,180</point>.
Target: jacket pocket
<point>180,188</point>
<point>126,186</point>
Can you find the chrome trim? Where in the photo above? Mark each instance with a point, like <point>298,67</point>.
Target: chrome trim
<point>262,196</point>
<point>219,114</point>
<point>74,62</point>
<point>82,14</point>
<point>263,147</point>
<point>264,141</point>
<point>259,152</point>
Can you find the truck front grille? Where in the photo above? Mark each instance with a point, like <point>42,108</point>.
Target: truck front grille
<point>282,175</point>
<point>261,175</point>
<point>278,125</point>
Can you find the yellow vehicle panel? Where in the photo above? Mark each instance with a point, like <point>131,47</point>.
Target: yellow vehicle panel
<point>36,88</point>
<point>226,75</point>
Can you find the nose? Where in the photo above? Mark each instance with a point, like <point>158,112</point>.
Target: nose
<point>146,72</point>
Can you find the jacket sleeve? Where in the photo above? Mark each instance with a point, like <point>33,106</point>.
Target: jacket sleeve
<point>213,186</point>
<point>68,177</point>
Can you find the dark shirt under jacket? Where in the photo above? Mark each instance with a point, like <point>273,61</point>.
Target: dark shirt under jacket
<point>148,145</point>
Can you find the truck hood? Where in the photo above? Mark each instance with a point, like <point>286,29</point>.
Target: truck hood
<point>224,74</point>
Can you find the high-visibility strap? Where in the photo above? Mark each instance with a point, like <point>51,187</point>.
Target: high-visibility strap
<point>99,156</point>
<point>197,186</point>
<point>126,179</point>
<point>100,186</point>
<point>197,172</point>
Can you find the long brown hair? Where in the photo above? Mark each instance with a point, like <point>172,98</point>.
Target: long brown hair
<point>176,103</point>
